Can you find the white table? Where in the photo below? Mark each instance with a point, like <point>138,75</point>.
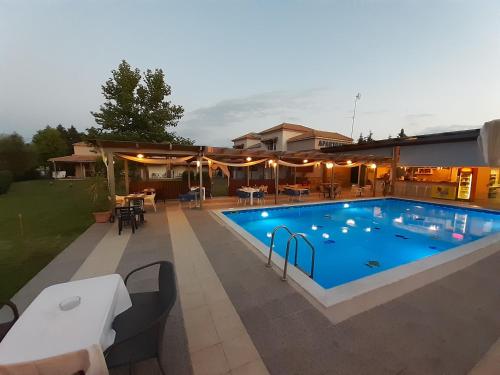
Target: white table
<point>193,188</point>
<point>44,330</point>
<point>251,191</point>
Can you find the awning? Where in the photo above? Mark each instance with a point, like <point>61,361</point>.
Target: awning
<point>489,142</point>
<point>75,159</point>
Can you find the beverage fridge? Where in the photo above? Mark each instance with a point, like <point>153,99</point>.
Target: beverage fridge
<point>465,177</point>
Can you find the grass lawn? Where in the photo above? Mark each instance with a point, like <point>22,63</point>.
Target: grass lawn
<point>38,219</point>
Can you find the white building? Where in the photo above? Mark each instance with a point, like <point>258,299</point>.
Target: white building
<point>290,137</point>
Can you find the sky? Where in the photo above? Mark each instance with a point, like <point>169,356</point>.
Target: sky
<point>241,65</point>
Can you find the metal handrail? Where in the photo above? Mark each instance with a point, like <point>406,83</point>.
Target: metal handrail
<point>272,242</point>
<point>313,254</point>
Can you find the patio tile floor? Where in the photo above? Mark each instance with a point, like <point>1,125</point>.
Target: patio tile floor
<point>433,330</point>
<point>235,316</point>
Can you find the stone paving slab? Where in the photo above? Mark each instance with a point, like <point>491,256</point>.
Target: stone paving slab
<point>149,244</point>
<point>442,328</point>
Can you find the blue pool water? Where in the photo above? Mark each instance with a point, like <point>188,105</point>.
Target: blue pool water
<point>361,238</point>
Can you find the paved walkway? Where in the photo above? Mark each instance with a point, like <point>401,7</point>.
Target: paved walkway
<point>442,328</point>
<point>234,316</point>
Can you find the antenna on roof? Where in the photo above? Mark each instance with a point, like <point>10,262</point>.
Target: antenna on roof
<point>358,97</point>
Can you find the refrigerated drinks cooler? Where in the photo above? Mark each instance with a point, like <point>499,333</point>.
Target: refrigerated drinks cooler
<point>464,184</point>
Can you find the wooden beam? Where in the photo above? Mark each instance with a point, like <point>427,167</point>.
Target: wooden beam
<point>111,178</point>
<point>125,172</point>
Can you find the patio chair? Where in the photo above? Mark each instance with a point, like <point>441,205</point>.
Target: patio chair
<point>260,196</point>
<point>5,327</point>
<point>337,191</point>
<point>149,200</point>
<point>243,196</point>
<point>325,190</point>
<point>137,205</point>
<point>125,215</point>
<point>187,198</point>
<point>140,329</point>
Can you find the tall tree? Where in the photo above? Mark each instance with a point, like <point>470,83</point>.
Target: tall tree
<point>16,156</point>
<point>70,136</point>
<point>137,107</point>
<point>361,139</point>
<point>370,137</point>
<point>49,143</point>
<point>402,134</point>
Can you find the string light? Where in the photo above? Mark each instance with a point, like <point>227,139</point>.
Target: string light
<point>140,156</point>
<point>249,158</point>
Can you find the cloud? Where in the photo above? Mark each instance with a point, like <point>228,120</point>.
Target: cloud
<point>219,123</point>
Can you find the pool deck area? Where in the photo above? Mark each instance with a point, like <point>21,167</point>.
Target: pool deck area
<point>235,316</point>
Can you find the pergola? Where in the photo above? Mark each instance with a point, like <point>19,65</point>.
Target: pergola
<point>170,154</point>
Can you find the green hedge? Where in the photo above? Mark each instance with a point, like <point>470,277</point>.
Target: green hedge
<point>5,181</point>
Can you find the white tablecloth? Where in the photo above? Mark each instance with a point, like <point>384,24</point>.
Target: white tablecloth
<point>44,330</point>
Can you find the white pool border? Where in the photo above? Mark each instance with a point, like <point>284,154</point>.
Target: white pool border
<point>393,282</point>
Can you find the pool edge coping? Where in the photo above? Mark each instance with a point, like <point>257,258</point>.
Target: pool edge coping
<point>441,265</point>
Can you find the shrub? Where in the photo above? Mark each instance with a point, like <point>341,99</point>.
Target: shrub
<point>5,181</point>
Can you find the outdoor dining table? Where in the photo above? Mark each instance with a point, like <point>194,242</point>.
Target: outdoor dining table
<point>251,191</point>
<point>301,190</point>
<point>48,328</point>
<point>194,188</point>
<point>134,196</point>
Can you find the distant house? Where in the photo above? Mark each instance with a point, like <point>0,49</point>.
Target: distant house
<point>80,164</point>
<point>290,137</point>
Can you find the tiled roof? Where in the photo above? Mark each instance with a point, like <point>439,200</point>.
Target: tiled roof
<point>320,134</point>
<point>247,136</point>
<point>288,126</point>
<point>75,159</point>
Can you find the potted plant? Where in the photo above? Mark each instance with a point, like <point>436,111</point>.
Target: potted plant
<point>99,195</point>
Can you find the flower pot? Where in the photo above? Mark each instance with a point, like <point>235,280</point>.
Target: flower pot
<point>102,217</point>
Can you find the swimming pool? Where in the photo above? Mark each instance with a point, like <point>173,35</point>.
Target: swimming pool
<point>357,239</point>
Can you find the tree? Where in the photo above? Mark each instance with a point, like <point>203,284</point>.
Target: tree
<point>136,107</point>
<point>70,136</point>
<point>361,139</point>
<point>16,156</point>
<point>370,137</point>
<point>402,134</point>
<point>49,143</point>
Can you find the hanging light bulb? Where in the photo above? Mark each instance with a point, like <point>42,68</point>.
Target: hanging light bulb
<point>249,158</point>
<point>140,156</point>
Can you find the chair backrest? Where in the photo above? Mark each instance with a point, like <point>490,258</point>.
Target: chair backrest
<point>6,326</point>
<point>167,287</point>
<point>123,212</point>
<point>137,202</point>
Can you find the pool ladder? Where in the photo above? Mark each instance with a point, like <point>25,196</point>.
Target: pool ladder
<point>293,236</point>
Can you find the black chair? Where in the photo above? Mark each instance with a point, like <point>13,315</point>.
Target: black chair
<point>140,329</point>
<point>5,327</point>
<point>125,215</point>
<point>137,205</point>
